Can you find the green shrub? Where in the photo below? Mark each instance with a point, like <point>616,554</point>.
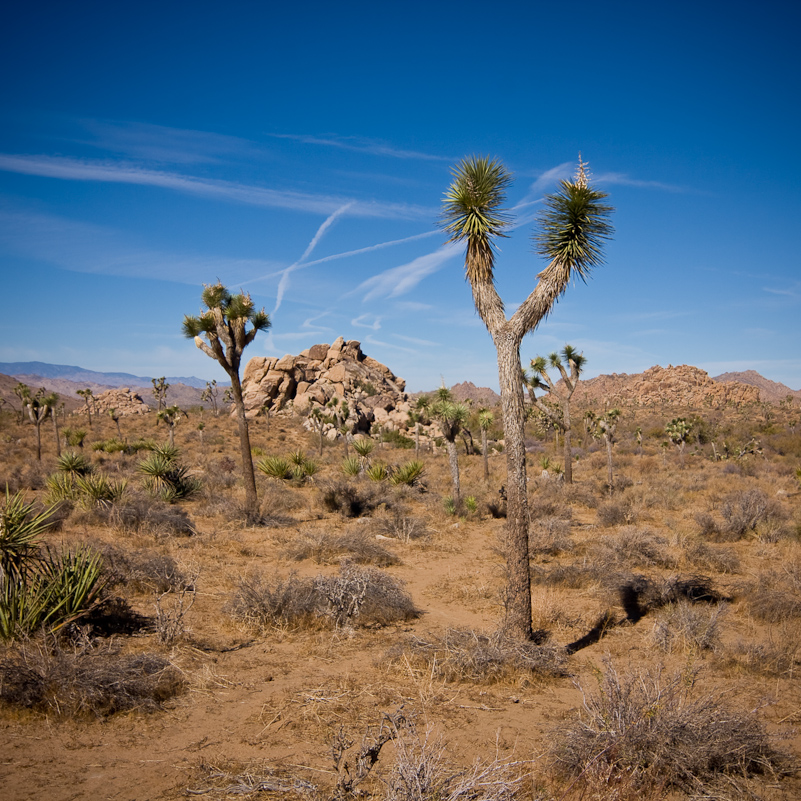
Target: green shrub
<point>397,439</point>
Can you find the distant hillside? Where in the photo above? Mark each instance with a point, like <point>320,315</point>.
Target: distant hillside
<point>7,384</point>
<point>88,378</point>
<point>769,391</point>
<point>481,396</point>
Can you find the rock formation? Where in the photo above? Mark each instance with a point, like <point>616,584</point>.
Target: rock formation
<point>124,400</point>
<point>375,395</point>
<point>682,386</point>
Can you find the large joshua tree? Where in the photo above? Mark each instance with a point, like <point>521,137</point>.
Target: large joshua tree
<point>570,370</point>
<point>573,225</point>
<point>224,324</point>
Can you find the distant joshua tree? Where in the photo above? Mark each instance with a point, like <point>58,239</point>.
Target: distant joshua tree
<point>171,415</point>
<point>41,406</point>
<point>160,387</point>
<point>224,324</point>
<point>89,400</point>
<point>210,394</point>
<point>678,430</point>
<point>451,416</point>
<point>485,420</point>
<point>569,369</point>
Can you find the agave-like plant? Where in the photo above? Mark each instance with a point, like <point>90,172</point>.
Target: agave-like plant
<point>377,472</point>
<point>20,529</point>
<point>363,446</point>
<point>409,473</point>
<point>276,467</point>
<point>74,463</point>
<point>351,466</point>
<point>97,488</point>
<point>166,479</point>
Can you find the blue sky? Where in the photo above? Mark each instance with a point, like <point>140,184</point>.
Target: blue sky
<point>301,153</point>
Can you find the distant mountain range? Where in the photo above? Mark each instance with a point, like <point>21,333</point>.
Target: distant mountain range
<point>769,391</point>
<point>80,375</point>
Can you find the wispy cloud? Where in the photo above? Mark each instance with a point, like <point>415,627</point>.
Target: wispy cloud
<point>158,143</point>
<point>87,248</point>
<point>400,280</point>
<point>112,172</point>
<point>425,343</point>
<point>283,284</point>
<point>370,321</point>
<point>625,180</point>
<point>793,291</point>
<point>362,146</point>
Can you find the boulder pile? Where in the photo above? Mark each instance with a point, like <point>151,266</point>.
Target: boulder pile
<point>374,394</point>
<point>124,400</point>
<point>681,386</point>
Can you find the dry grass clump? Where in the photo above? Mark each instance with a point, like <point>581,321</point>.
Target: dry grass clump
<point>138,514</point>
<point>575,576</point>
<point>632,546</point>
<point>615,513</point>
<point>550,536</point>
<point>356,596</point>
<point>775,596</point>
<point>140,571</point>
<point>709,557</point>
<point>420,771</point>
<point>399,525</point>
<point>469,656</point>
<point>751,511</point>
<point>324,548</point>
<point>50,679</point>
<point>644,734</point>
<point>685,627</point>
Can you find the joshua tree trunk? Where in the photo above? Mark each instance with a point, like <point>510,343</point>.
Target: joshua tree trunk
<point>417,440</point>
<point>453,459</point>
<point>248,474</point>
<point>568,449</point>
<point>484,454</point>
<point>518,592</point>
<point>610,476</point>
<point>55,431</point>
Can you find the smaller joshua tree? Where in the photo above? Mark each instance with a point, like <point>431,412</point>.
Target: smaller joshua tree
<point>678,430</point>
<point>210,394</point>
<point>221,332</point>
<point>39,407</point>
<point>451,417</point>
<point>570,370</point>
<point>171,415</point>
<point>89,400</point>
<point>485,420</point>
<point>160,387</point>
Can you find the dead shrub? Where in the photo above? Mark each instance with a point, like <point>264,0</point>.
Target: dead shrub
<point>643,733</point>
<point>631,546</point>
<point>140,571</point>
<point>573,576</point>
<point>768,658</point>
<point>550,536</point>
<point>139,514</point>
<point>400,526</point>
<point>748,511</point>
<point>356,596</point>
<point>615,513</point>
<point>469,656</point>
<point>683,626</point>
<point>776,594</point>
<point>549,501</point>
<point>91,682</point>
<point>710,557</point>
<point>326,549</point>
<point>351,500</point>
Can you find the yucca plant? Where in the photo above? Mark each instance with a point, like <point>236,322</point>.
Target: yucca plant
<point>166,450</point>
<point>62,589</point>
<point>297,457</point>
<point>351,466</point>
<point>61,487</point>
<point>74,463</point>
<point>97,488</point>
<point>363,446</point>
<point>165,479</point>
<point>276,467</point>
<point>377,472</point>
<point>20,529</point>
<point>409,473</point>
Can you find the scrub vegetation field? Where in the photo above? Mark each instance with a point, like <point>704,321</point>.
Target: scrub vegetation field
<point>156,644</point>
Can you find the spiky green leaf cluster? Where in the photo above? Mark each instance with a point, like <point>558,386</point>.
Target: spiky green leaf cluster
<point>573,225</point>
<point>472,212</point>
